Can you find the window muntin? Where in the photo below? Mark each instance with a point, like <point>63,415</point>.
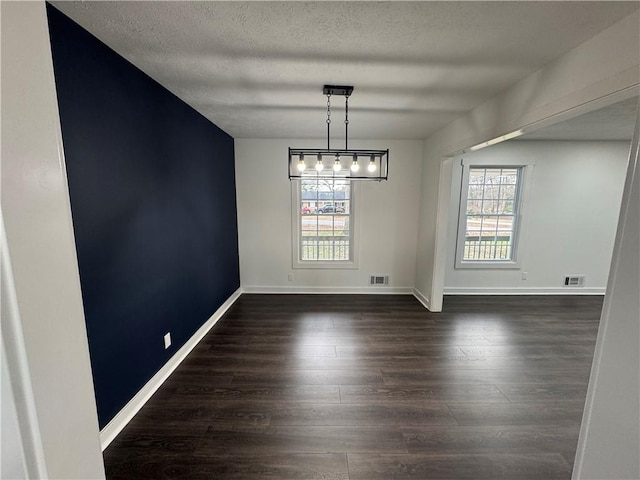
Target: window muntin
<point>489,214</point>
<point>325,230</point>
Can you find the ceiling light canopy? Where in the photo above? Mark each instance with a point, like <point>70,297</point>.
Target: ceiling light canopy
<point>330,163</point>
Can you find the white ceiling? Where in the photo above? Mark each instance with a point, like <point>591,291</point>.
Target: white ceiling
<point>615,122</point>
<point>256,69</point>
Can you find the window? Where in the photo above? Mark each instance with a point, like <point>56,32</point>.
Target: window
<point>490,211</point>
<point>324,228</point>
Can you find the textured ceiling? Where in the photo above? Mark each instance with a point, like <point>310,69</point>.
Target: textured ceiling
<point>256,69</point>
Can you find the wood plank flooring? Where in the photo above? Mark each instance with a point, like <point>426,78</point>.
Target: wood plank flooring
<point>368,387</point>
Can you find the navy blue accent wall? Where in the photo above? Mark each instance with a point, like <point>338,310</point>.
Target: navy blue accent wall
<point>153,201</point>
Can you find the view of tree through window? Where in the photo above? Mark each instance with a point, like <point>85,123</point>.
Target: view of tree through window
<point>325,214</point>
<point>491,211</point>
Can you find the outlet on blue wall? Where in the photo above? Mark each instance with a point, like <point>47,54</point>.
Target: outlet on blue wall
<point>152,188</point>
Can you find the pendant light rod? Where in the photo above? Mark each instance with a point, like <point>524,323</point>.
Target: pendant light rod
<point>328,120</point>
<point>345,91</point>
<point>346,122</point>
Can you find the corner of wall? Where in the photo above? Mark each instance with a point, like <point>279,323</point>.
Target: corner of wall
<point>423,299</point>
<point>124,416</point>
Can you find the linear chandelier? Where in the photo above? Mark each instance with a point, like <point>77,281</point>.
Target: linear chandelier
<point>331,163</point>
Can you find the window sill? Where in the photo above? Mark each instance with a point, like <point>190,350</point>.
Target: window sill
<point>488,265</point>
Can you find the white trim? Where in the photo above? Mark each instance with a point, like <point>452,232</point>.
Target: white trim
<point>328,290</point>
<point>501,163</point>
<point>486,264</point>
<point>422,299</point>
<point>124,416</point>
<point>524,291</point>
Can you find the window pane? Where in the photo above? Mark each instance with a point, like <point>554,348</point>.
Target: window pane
<point>507,206</point>
<point>491,191</point>
<point>309,224</point>
<point>505,225</point>
<point>342,207</point>
<point>474,223</point>
<point>489,225</point>
<point>325,224</point>
<point>475,191</point>
<point>476,176</point>
<point>309,248</point>
<point>474,207</point>
<point>508,192</point>
<point>325,248</point>
<point>509,176</point>
<point>490,206</point>
<point>492,176</point>
<point>340,224</point>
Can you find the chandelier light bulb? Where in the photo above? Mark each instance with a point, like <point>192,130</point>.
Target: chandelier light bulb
<point>372,164</point>
<point>301,164</point>
<point>336,165</point>
<point>319,165</point>
<point>354,166</point>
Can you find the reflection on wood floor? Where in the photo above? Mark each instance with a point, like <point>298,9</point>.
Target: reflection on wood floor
<point>367,387</point>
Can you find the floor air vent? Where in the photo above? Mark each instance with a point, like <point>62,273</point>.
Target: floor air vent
<point>379,280</point>
<point>574,280</point>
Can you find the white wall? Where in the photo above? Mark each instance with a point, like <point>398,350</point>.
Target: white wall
<point>610,435</point>
<point>598,72</point>
<point>387,213</point>
<point>47,346</point>
<point>570,217</point>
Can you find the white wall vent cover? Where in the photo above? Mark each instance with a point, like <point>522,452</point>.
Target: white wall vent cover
<point>573,281</point>
<point>379,280</point>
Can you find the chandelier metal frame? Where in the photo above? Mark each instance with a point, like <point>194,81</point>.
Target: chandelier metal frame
<point>346,163</point>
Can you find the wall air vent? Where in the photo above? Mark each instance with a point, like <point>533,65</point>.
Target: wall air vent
<point>573,281</point>
<point>379,280</point>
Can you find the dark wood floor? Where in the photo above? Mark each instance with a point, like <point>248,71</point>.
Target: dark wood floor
<point>370,387</point>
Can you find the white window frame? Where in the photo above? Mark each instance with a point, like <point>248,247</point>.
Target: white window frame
<point>296,223</point>
<point>520,204</point>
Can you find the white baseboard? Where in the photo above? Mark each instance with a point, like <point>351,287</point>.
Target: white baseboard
<point>379,290</point>
<point>524,291</point>
<point>124,416</point>
<point>422,298</point>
